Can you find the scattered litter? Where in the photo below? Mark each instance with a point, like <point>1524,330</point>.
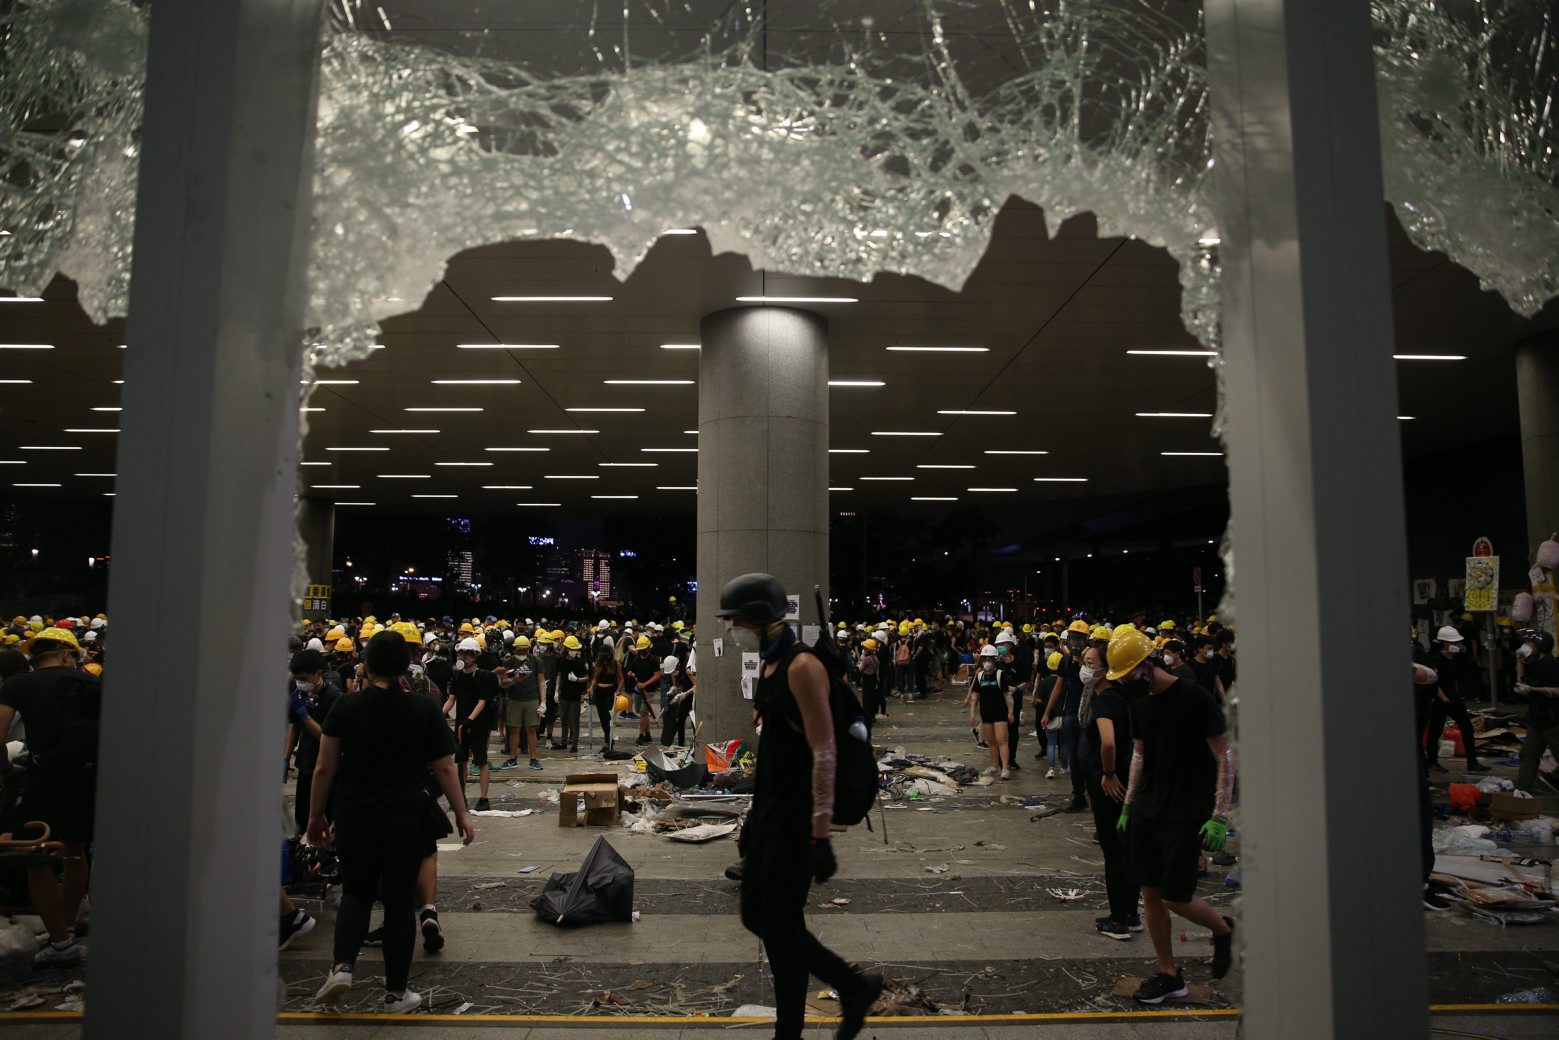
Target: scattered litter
<point>1047,813</point>
<point>1540,995</point>
<point>941,868</point>
<point>530,869</point>
<point>1068,895</point>
<point>27,1002</point>
<point>753,1011</point>
<point>506,813</point>
<point>705,832</point>
<point>490,884</point>
<point>71,1005</point>
<point>463,1008</point>
<point>449,846</point>
<point>600,890</point>
<point>839,901</point>
<point>610,999</point>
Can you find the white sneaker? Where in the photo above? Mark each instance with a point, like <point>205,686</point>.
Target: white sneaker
<point>1006,774</point>
<point>991,772</point>
<point>403,1005</point>
<point>51,956</point>
<point>336,986</point>
<point>1050,774</point>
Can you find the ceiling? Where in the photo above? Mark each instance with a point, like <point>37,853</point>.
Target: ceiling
<point>1058,313</point>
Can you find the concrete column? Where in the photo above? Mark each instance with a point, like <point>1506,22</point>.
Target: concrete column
<point>189,828</point>
<point>317,526</point>
<point>1331,925</point>
<point>1537,389</point>
<point>762,479</point>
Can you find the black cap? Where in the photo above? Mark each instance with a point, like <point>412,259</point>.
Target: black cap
<point>754,598</point>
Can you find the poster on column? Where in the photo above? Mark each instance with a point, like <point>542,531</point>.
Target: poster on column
<point>1543,599</point>
<point>1482,589</point>
<point>793,607</point>
<point>749,676</point>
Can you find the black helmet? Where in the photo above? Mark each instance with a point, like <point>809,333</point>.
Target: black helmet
<point>1543,643</point>
<point>754,598</point>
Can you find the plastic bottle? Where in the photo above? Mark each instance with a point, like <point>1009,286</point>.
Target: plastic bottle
<point>1539,995</point>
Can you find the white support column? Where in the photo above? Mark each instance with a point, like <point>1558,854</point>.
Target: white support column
<point>1332,932</point>
<point>189,825</point>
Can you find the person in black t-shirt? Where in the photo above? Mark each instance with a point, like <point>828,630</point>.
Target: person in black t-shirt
<point>642,677</point>
<point>1539,683</point>
<point>1456,683</point>
<point>309,702</point>
<point>1108,764</point>
<point>1182,772</point>
<point>1205,664</point>
<point>473,692</point>
<point>374,755</point>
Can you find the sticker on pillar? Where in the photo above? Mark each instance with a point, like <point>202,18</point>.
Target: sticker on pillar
<point>719,645</point>
<point>1482,590</point>
<point>1423,591</point>
<point>749,676</point>
<point>793,607</point>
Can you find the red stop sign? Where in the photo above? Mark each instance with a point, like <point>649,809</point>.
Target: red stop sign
<point>1483,547</point>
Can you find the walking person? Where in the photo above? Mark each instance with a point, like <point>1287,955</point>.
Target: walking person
<point>1066,695</point>
<point>522,704</point>
<point>1106,724</point>
<point>1457,680</point>
<point>990,692</point>
<point>1538,681</point>
<point>606,685</point>
<point>378,744</point>
<point>785,843</point>
<point>1182,772</point>
<point>573,681</point>
<point>871,683</point>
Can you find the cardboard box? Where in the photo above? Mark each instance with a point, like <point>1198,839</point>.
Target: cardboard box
<point>1505,806</point>
<point>603,800</point>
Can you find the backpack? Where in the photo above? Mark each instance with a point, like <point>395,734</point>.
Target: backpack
<point>901,652</point>
<point>855,763</point>
<point>81,713</point>
<point>869,663</point>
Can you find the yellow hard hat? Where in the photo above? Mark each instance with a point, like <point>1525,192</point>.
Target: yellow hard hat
<point>671,599</point>
<point>677,626</point>
<point>343,645</point>
<point>1027,628</point>
<point>334,634</point>
<point>1127,651</point>
<point>1167,626</point>
<point>370,619</point>
<point>622,702</point>
<point>543,637</point>
<point>407,631</point>
<point>1006,624</point>
<point>870,644</point>
<point>1099,632</point>
<point>523,642</point>
<point>903,628</point>
<point>57,635</point>
<point>93,668</point>
<point>841,625</point>
<point>1504,622</point>
<point>557,634</point>
<point>1128,627</point>
<point>1214,617</point>
<point>1054,660</point>
<point>466,629</point>
<point>1078,626</point>
<point>12,637</point>
<point>572,643</point>
<point>918,621</point>
<point>643,643</point>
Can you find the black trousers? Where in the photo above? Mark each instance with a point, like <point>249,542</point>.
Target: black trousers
<point>301,796</point>
<point>1456,708</point>
<point>1120,884</point>
<point>871,698</point>
<point>377,865</point>
<point>1016,729</point>
<point>603,711</point>
<point>568,711</point>
<point>774,893</point>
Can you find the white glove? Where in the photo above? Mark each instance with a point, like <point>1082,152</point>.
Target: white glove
<point>1523,689</point>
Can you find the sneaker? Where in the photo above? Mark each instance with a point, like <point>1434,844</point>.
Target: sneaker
<point>1477,767</point>
<point>1063,771</point>
<point>982,745</point>
<point>535,764</point>
<point>1161,987</point>
<point>1050,774</point>
<point>509,763</point>
<point>58,955</point>
<point>374,938</point>
<point>734,871</point>
<point>292,926</point>
<point>1077,805</point>
<point>1223,950</point>
<point>432,932</point>
<point>1134,923</point>
<point>402,1005</point>
<point>974,732</point>
<point>854,1009</point>
<point>1435,901</point>
<point>1006,774</point>
<point>1110,928</point>
<point>989,773</point>
<point>482,805</point>
<point>1435,767</point>
<point>644,738</point>
<point>337,985</point>
<point>1016,766</point>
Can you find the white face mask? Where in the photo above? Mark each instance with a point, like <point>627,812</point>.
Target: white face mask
<point>1525,651</point>
<point>303,686</point>
<point>988,664</point>
<point>1453,648</point>
<point>460,666</point>
<point>1087,675</point>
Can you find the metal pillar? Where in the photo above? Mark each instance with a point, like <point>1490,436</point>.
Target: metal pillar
<point>189,828</point>
<point>762,479</point>
<point>317,527</point>
<point>1332,929</point>
<point>1537,389</point>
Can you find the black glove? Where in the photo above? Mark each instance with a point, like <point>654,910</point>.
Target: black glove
<point>820,860</point>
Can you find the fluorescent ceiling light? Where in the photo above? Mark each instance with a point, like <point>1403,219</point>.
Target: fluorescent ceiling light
<point>397,476</point>
<point>1061,480</point>
<point>676,487</point>
<point>680,346</point>
<point>637,464</point>
<point>313,463</point>
<point>572,476</point>
<point>562,431</point>
<point>849,451</point>
<point>48,447</point>
<point>336,487</point>
<point>614,496</point>
<point>97,474</point>
<point>21,382</point>
<point>118,382</point>
<point>856,382</point>
<point>109,494</point>
<point>405,431</point>
<point>933,498</point>
<point>357,503</point>
<point>462,464</point>
<point>841,489</point>
<point>943,350</point>
<point>930,465</point>
<point>552,299</point>
<point>1174,353</point>
<point>35,485</point>
<point>26,346</point>
<point>541,505</point>
<point>972,411</point>
<point>507,346</point>
<point>693,432</point>
<point>680,231</point>
<point>648,382</point>
<point>1430,357</point>
<point>357,449</point>
<point>13,462</point>
<point>906,433</point>
<point>797,299</point>
<point>435,496</point>
<point>1014,451</point>
<point>329,382</point>
<point>1174,415</point>
<point>1209,239</point>
<point>506,487</point>
<point>1405,417</point>
<point>90,429</point>
<point>992,489</point>
<point>669,449</point>
<point>886,478</point>
<point>442,409</point>
<point>300,409</point>
<point>516,449</point>
<point>1192,453</point>
<point>475,382</point>
<point>21,299</point>
<point>603,409</point>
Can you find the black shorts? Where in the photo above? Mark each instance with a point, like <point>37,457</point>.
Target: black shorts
<point>993,706</point>
<point>66,802</point>
<point>472,745</point>
<point>1164,856</point>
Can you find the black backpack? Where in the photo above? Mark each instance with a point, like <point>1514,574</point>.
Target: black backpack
<point>80,697</point>
<point>855,780</point>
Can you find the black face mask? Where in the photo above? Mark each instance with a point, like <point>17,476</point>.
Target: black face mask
<point>1133,687</point>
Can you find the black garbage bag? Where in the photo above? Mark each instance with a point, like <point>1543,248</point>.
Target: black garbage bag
<point>600,890</point>
<point>660,770</point>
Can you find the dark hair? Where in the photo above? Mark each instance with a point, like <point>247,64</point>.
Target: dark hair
<point>386,655</point>
<point>1175,646</point>
<point>307,662</point>
<point>12,662</point>
<point>1197,642</point>
<point>1225,637</point>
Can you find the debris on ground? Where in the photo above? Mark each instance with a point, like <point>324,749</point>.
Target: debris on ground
<point>600,890</point>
